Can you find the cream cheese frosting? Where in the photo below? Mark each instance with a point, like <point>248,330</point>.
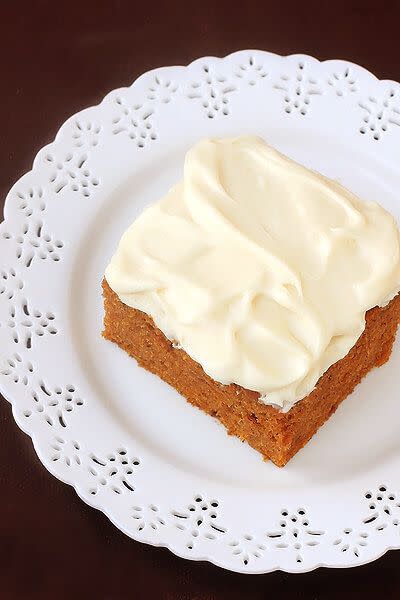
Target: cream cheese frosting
<point>259,268</point>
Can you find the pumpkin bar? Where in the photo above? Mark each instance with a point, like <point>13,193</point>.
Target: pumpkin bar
<point>260,290</point>
<point>275,434</point>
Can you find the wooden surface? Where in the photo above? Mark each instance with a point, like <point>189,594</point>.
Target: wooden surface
<point>56,58</point>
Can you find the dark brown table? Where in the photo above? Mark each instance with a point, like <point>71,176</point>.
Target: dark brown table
<point>56,58</point>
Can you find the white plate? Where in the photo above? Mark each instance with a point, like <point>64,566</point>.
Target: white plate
<point>164,472</point>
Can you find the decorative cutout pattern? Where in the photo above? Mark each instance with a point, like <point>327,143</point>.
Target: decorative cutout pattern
<point>351,542</point>
<point>251,71</point>
<point>26,324</point>
<point>299,89</point>
<point>34,242</point>
<point>161,90</point>
<point>71,172</point>
<point>199,519</point>
<point>380,116</point>
<point>384,509</point>
<point>66,452</point>
<point>295,533</point>
<point>247,549</point>
<point>31,201</point>
<point>54,404</point>
<point>134,121</point>
<point>86,134</point>
<point>18,370</point>
<point>147,517</point>
<point>342,82</point>
<point>213,91</point>
<point>115,471</point>
<point>10,283</point>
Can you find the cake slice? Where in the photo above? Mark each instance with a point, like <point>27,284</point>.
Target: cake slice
<point>260,290</point>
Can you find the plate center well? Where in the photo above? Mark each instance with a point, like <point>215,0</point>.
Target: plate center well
<point>358,438</point>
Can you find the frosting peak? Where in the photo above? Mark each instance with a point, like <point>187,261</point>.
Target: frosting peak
<point>260,269</point>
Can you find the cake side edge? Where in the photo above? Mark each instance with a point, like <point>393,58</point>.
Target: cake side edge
<point>276,435</point>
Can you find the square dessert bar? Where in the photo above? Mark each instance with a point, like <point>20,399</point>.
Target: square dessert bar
<point>275,434</point>
<point>260,290</point>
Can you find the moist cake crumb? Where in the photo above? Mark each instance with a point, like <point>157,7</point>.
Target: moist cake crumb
<point>277,435</point>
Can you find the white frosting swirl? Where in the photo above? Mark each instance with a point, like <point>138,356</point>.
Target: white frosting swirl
<point>260,269</point>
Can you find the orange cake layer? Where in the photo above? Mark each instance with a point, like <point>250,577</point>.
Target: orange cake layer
<point>276,435</point>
